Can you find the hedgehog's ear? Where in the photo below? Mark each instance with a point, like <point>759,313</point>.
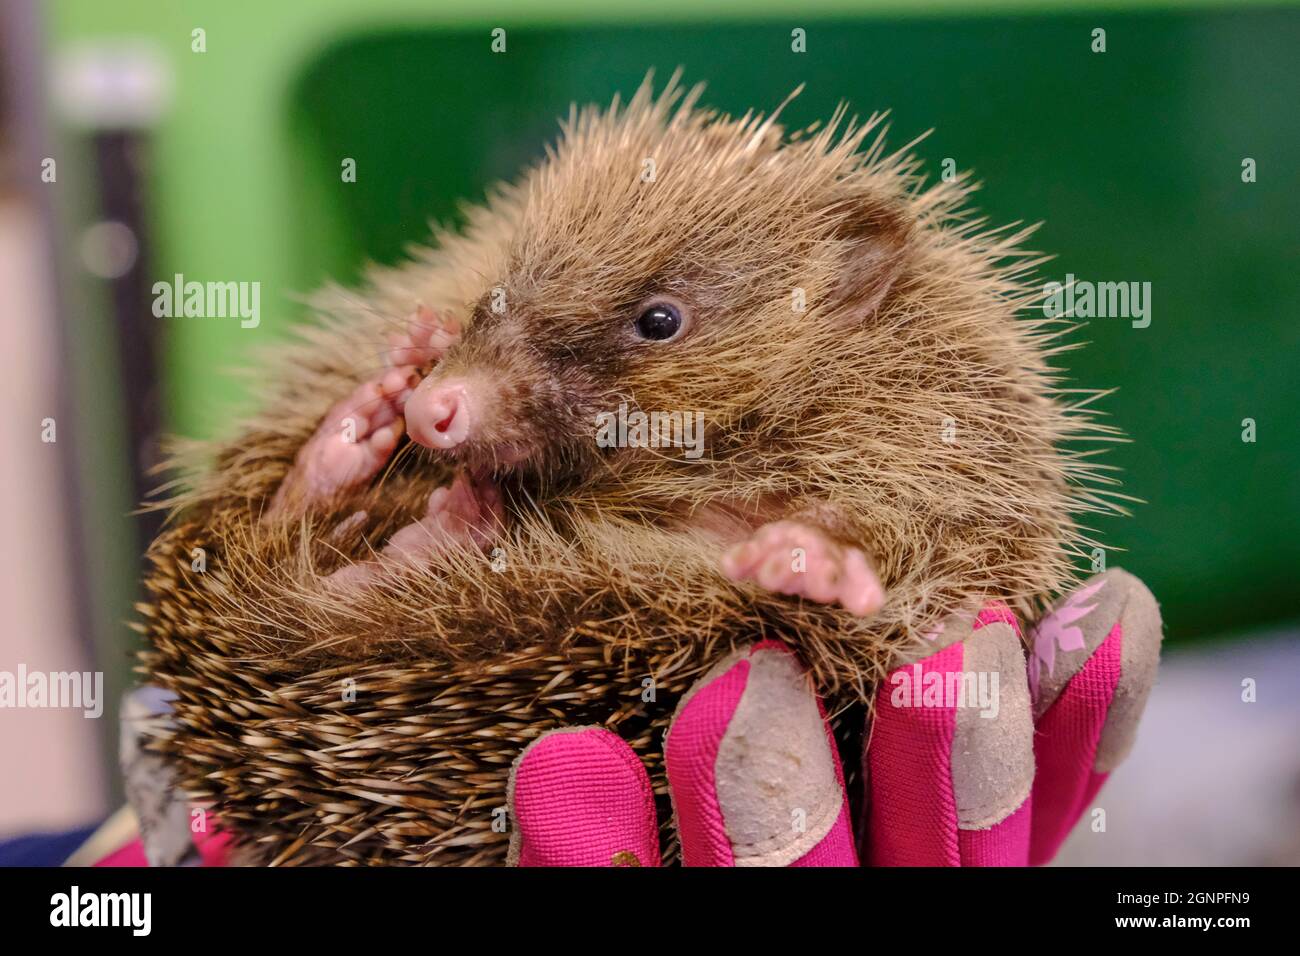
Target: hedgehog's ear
<point>871,239</point>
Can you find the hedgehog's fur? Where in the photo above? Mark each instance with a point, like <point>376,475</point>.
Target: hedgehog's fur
<point>921,419</point>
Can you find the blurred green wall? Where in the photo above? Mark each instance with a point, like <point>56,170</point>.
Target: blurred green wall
<point>1132,157</point>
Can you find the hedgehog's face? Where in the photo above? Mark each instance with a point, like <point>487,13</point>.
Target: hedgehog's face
<point>639,324</point>
<point>647,376</point>
<point>543,385</point>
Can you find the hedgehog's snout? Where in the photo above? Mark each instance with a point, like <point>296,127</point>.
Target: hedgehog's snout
<point>443,413</point>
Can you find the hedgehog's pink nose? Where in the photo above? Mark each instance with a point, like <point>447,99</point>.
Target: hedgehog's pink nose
<point>440,414</point>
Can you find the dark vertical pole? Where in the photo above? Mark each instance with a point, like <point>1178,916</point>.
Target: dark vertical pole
<point>120,156</point>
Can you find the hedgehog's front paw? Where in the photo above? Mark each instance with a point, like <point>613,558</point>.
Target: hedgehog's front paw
<point>351,445</point>
<point>795,558</point>
<point>360,433</point>
<point>466,512</point>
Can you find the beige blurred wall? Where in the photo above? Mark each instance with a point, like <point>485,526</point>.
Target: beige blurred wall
<point>50,761</point>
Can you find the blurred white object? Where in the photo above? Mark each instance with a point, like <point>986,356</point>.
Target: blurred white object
<point>109,249</point>
<point>107,85</point>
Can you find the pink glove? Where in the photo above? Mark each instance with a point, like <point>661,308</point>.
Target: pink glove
<point>973,759</point>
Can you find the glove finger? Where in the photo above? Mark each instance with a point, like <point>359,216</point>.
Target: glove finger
<point>753,769</point>
<point>1092,665</point>
<point>162,810</point>
<point>579,796</point>
<point>949,760</point>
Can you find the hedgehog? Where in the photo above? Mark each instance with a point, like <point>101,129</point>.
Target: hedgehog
<point>430,545</point>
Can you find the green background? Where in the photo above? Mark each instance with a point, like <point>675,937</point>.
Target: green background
<point>1132,158</point>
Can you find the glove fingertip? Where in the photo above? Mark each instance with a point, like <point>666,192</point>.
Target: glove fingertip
<point>753,769</point>
<point>1095,657</point>
<point>580,796</point>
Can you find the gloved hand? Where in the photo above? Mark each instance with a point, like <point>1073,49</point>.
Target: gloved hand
<point>974,756</point>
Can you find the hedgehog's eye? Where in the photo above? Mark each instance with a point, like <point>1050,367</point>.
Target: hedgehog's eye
<point>660,321</point>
